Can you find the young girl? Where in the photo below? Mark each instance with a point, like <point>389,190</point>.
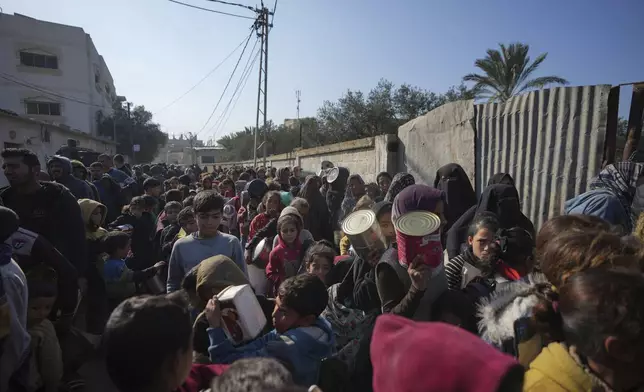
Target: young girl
<point>272,207</point>
<point>480,234</point>
<point>383,214</point>
<point>285,259</point>
<point>365,203</point>
<point>318,260</point>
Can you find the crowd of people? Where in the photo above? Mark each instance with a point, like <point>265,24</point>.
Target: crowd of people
<point>128,265</point>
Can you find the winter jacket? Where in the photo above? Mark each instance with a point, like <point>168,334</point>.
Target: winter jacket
<point>53,212</point>
<point>457,269</point>
<point>301,348</point>
<point>504,316</point>
<point>78,188</point>
<point>110,195</point>
<point>284,262</point>
<point>557,370</point>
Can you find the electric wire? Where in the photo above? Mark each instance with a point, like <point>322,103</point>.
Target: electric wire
<point>225,88</point>
<point>214,11</point>
<point>235,4</point>
<point>205,77</point>
<point>44,91</point>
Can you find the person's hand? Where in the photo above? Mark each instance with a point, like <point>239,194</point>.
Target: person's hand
<point>160,264</point>
<point>82,285</point>
<point>418,272</point>
<point>213,313</point>
<point>248,256</point>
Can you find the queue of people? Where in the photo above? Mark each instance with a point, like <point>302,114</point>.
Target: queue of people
<point>352,286</point>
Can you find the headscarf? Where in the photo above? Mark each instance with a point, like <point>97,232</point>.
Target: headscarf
<point>622,179</point>
<point>459,194</point>
<point>416,198</point>
<point>402,353</point>
<point>399,182</point>
<point>503,201</point>
<point>349,202</point>
<point>501,178</point>
<point>215,274</point>
<point>381,208</point>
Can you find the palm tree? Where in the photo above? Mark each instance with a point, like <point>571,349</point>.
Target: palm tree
<point>506,73</point>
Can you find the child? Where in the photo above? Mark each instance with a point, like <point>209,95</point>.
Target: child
<point>253,374</point>
<point>318,260</point>
<point>301,337</point>
<point>285,259</point>
<point>383,215</point>
<point>135,359</point>
<point>272,206</point>
<point>142,228</point>
<point>172,228</point>
<point>94,214</point>
<point>364,203</point>
<point>46,364</point>
<point>119,279</point>
<point>207,241</point>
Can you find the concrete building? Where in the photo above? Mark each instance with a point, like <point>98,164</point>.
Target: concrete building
<point>43,138</point>
<point>55,73</point>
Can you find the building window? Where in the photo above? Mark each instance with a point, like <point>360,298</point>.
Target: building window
<point>38,60</point>
<point>207,159</point>
<point>43,108</point>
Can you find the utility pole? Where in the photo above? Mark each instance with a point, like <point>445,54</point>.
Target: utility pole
<point>131,135</point>
<point>262,26</point>
<point>298,94</point>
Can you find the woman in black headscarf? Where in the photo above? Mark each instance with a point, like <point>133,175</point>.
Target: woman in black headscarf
<point>400,182</point>
<point>499,199</point>
<point>318,220</point>
<point>459,194</point>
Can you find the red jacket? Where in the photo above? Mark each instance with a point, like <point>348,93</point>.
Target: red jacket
<point>283,262</point>
<point>257,224</point>
<point>200,377</point>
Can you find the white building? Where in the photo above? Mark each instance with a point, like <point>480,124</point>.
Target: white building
<point>60,60</point>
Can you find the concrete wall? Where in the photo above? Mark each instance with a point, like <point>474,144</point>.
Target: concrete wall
<point>79,68</point>
<point>44,139</point>
<point>366,157</point>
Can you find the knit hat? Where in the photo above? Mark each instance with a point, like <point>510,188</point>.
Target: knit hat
<point>409,356</point>
<point>290,211</point>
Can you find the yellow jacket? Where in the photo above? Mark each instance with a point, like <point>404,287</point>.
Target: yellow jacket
<point>555,370</point>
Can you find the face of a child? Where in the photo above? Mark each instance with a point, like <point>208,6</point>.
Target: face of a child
<point>384,183</point>
<point>273,205</point>
<point>171,214</point>
<point>39,309</point>
<point>319,266</point>
<point>122,253</point>
<point>174,184</point>
<point>386,227</point>
<point>288,232</point>
<point>208,222</point>
<point>178,370</point>
<point>189,226</point>
<point>96,217</point>
<point>481,242</point>
<point>284,318</point>
<point>136,211</point>
<point>357,189</point>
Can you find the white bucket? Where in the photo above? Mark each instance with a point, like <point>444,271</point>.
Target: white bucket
<point>242,316</point>
<point>257,279</point>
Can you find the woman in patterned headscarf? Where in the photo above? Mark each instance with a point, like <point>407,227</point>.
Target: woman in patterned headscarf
<point>400,182</point>
<point>355,190</point>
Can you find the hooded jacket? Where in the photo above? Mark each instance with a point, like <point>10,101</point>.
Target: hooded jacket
<point>88,206</point>
<point>79,188</point>
<point>502,314</point>
<point>556,370</point>
<point>79,165</point>
<point>302,348</point>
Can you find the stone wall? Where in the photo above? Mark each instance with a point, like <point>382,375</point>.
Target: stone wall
<point>367,157</point>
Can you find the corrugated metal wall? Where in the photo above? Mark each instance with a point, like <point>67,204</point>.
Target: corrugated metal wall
<point>551,142</point>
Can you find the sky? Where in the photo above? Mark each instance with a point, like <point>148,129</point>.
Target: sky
<point>156,50</point>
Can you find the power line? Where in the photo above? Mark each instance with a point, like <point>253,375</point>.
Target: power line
<point>220,124</point>
<point>225,88</point>
<point>205,77</point>
<point>235,4</point>
<point>214,11</point>
<point>53,94</point>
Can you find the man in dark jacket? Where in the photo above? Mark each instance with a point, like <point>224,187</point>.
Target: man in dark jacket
<point>60,170</point>
<point>80,171</point>
<point>110,192</point>
<point>46,208</point>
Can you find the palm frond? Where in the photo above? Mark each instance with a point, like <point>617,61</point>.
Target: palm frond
<point>531,68</point>
<point>542,82</point>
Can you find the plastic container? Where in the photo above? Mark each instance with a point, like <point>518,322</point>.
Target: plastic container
<point>417,234</point>
<point>363,231</point>
<point>241,315</point>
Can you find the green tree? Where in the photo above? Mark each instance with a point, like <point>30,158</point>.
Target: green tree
<point>507,72</point>
<point>138,123</point>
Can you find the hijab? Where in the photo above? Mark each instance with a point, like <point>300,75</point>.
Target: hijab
<point>459,194</point>
<point>501,178</point>
<point>349,202</point>
<point>503,201</point>
<point>215,274</point>
<point>398,183</point>
<point>416,198</point>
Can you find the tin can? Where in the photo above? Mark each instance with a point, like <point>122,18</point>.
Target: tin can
<point>363,231</point>
<point>417,234</point>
